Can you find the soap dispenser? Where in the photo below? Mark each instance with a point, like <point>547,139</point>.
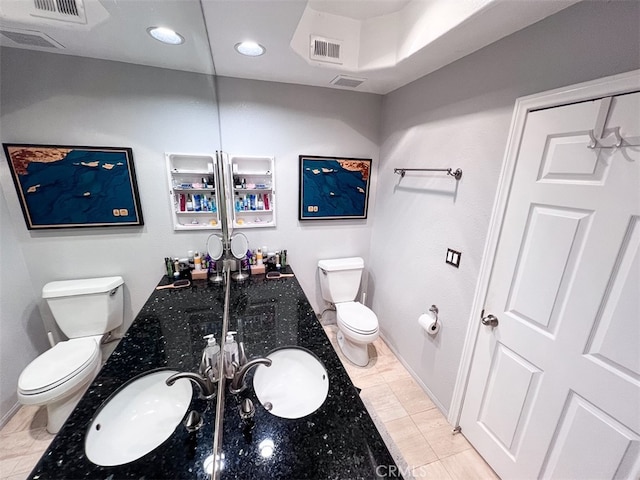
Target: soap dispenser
<point>211,358</point>
<point>230,355</point>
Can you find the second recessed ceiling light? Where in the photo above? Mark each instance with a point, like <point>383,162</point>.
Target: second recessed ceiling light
<point>250,49</point>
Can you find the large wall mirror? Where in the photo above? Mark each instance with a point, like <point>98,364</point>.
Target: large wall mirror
<point>108,73</point>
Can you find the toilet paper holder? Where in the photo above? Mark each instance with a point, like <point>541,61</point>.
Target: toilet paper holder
<point>435,311</point>
<point>429,322</point>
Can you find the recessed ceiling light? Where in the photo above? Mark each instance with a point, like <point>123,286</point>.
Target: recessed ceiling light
<point>166,35</point>
<point>250,49</point>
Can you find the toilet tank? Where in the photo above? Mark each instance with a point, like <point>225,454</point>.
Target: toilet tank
<point>86,307</point>
<point>340,278</point>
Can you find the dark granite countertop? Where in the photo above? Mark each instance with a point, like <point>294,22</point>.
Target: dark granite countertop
<point>338,441</point>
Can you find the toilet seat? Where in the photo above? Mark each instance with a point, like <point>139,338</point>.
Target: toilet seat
<point>67,362</point>
<point>357,317</point>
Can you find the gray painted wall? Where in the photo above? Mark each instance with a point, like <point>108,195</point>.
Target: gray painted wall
<point>285,121</point>
<point>21,331</point>
<point>459,116</point>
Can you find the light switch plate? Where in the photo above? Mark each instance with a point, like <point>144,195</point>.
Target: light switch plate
<point>453,257</point>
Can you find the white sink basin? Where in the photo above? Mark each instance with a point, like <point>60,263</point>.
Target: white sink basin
<point>137,419</point>
<point>295,385</point>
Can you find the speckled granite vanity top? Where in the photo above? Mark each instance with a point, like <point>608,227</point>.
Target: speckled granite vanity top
<point>338,441</point>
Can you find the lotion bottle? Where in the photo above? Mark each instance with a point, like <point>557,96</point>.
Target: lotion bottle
<point>211,358</point>
<point>230,354</point>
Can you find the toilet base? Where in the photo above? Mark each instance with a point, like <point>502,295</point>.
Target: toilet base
<point>357,353</point>
<point>59,411</point>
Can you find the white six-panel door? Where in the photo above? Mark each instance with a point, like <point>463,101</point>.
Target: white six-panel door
<point>554,388</point>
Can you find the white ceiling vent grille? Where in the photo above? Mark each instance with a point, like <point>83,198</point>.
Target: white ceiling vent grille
<point>64,10</point>
<point>347,82</point>
<point>28,38</point>
<point>325,50</point>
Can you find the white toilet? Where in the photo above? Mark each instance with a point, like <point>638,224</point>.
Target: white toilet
<point>84,310</point>
<point>357,324</point>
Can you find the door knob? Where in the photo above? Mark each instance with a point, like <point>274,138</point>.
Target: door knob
<point>490,320</point>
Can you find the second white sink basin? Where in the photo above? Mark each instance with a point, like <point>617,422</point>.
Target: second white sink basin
<point>295,385</point>
<point>137,419</point>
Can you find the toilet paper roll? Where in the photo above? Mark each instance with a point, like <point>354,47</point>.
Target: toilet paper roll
<point>427,323</point>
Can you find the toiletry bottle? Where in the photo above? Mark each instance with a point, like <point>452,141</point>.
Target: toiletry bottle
<point>189,203</point>
<point>260,202</point>
<point>230,354</point>
<point>176,268</point>
<point>191,260</point>
<point>283,259</point>
<point>183,203</point>
<point>197,204</point>
<point>197,261</point>
<point>266,201</point>
<point>212,203</point>
<point>259,257</point>
<point>210,358</point>
<point>205,203</point>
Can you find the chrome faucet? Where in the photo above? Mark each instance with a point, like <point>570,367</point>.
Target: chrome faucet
<point>205,386</point>
<point>237,383</point>
<point>207,375</point>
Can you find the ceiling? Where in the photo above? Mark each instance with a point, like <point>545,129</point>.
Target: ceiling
<point>383,44</point>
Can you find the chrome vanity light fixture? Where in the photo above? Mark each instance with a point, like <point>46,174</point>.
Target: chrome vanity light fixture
<point>166,35</point>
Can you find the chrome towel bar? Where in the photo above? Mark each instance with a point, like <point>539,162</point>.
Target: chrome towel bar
<point>457,173</point>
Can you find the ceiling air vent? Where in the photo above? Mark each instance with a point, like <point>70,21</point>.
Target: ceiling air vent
<point>325,50</point>
<point>64,10</point>
<point>348,82</point>
<point>29,38</point>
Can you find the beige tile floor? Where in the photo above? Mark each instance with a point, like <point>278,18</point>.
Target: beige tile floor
<point>419,430</point>
<point>23,440</point>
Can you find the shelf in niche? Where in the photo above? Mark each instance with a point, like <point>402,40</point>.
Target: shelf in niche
<point>191,172</point>
<point>253,224</point>
<point>254,170</point>
<point>190,190</point>
<point>252,174</point>
<point>212,214</point>
<point>254,212</point>
<point>190,169</point>
<point>194,226</point>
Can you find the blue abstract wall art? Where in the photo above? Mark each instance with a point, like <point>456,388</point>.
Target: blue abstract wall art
<point>62,186</point>
<point>333,187</point>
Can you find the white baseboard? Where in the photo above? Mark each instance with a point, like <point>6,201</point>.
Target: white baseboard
<point>7,416</point>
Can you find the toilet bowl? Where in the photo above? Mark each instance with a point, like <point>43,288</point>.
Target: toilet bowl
<point>357,328</point>
<point>357,324</point>
<point>59,377</point>
<point>84,310</point>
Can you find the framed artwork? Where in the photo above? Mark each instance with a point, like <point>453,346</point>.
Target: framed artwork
<point>333,188</point>
<point>63,186</point>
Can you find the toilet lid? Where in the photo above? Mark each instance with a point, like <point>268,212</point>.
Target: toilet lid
<point>58,364</point>
<point>357,317</point>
